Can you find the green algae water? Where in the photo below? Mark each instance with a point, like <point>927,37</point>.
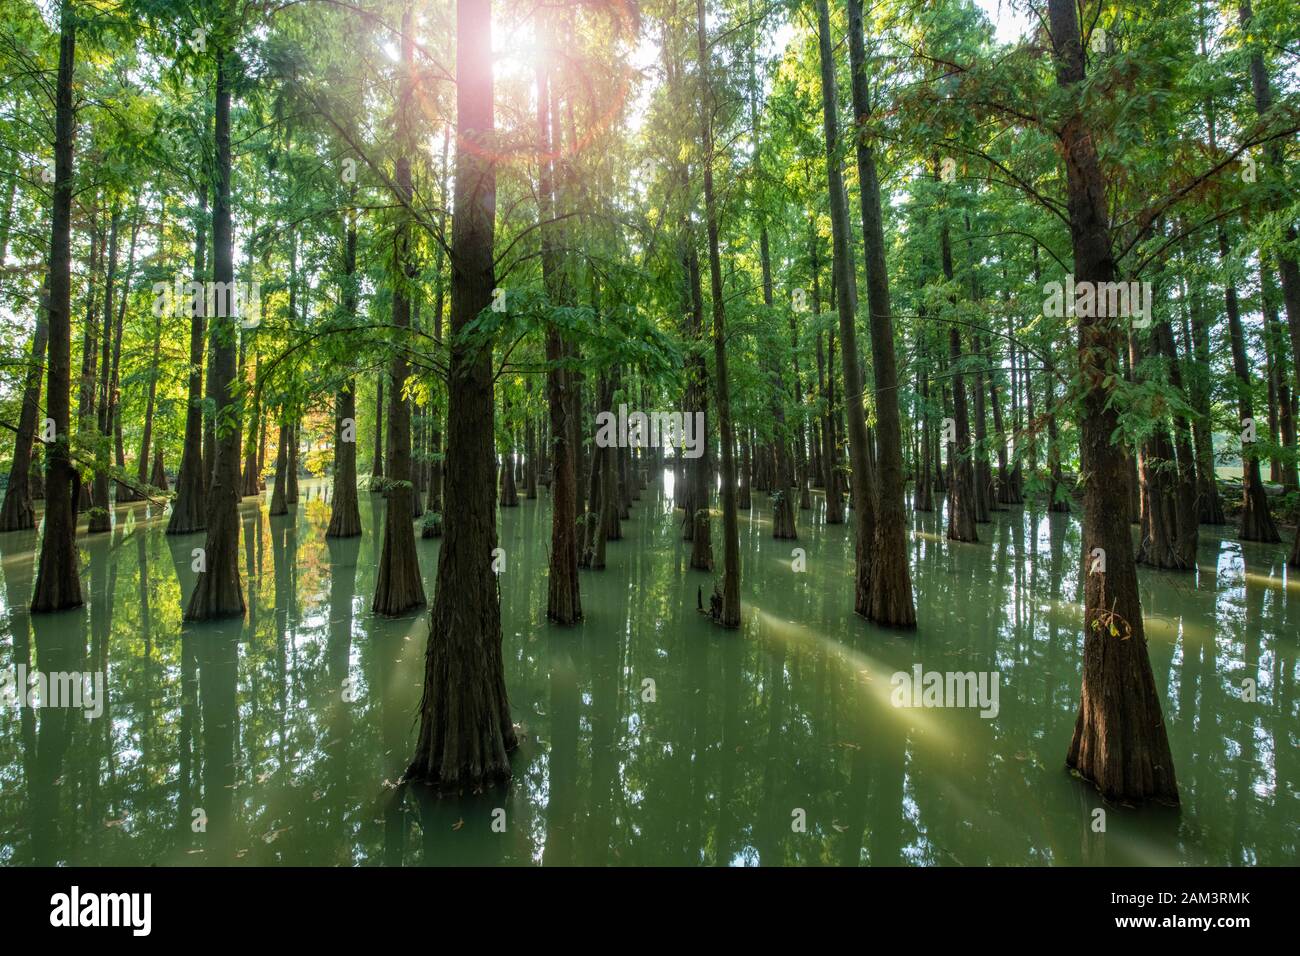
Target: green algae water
<point>648,735</point>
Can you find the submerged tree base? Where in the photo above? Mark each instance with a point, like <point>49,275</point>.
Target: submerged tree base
<point>466,734</point>
<point>1120,743</point>
<point>18,513</point>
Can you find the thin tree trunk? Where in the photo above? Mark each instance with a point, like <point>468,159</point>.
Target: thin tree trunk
<point>891,601</point>
<point>1167,503</point>
<point>345,514</point>
<point>728,615</point>
<point>291,461</point>
<point>279,495</point>
<point>923,493</point>
<point>251,481</point>
<point>89,349</point>
<point>101,515</point>
<point>698,530</point>
<point>146,440</point>
<point>58,577</point>
<point>861,481</point>
<point>158,477</point>
<point>962,506</point>
<point>983,474</point>
<point>189,507</point>
<point>18,511</point>
<point>124,492</point>
<point>217,592</point>
<point>1256,521</point>
<point>398,587</point>
<point>377,462</point>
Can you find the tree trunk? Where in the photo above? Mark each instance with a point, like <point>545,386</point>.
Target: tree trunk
<point>1256,521</point>
<point>1057,499</point>
<point>509,490</point>
<point>1169,527</point>
<point>158,478</point>
<point>861,481</point>
<point>745,500</point>
<point>923,493</point>
<point>18,511</point>
<point>698,526</point>
<point>984,500</point>
<point>891,601</point>
<point>784,504</point>
<point>729,613</point>
<point>563,594</point>
<point>530,454</point>
<point>398,587</point>
<point>217,592</point>
<point>89,351</point>
<point>58,578</point>
<point>801,431</point>
<point>189,507</point>
<point>345,514</point>
<point>251,480</point>
<point>1209,504</point>
<point>1288,475</point>
<point>1020,391</point>
<point>144,461</point>
<point>124,492</point>
<point>377,462</point>
<point>819,420</point>
<point>466,733</point>
<point>101,514</point>
<point>291,462</point>
<point>279,495</point>
<point>1004,484</point>
<point>962,506</point>
<point>593,528</point>
<point>1288,271</point>
<point>1120,743</point>
<point>830,442</point>
<point>608,528</point>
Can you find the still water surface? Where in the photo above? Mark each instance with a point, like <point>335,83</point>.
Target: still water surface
<point>278,739</point>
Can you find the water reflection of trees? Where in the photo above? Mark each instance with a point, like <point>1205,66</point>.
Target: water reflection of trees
<point>247,720</point>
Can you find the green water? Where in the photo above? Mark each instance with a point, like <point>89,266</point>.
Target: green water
<point>748,733</point>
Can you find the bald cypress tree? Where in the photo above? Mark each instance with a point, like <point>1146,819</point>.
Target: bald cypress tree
<point>58,577</point>
<point>466,732</point>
